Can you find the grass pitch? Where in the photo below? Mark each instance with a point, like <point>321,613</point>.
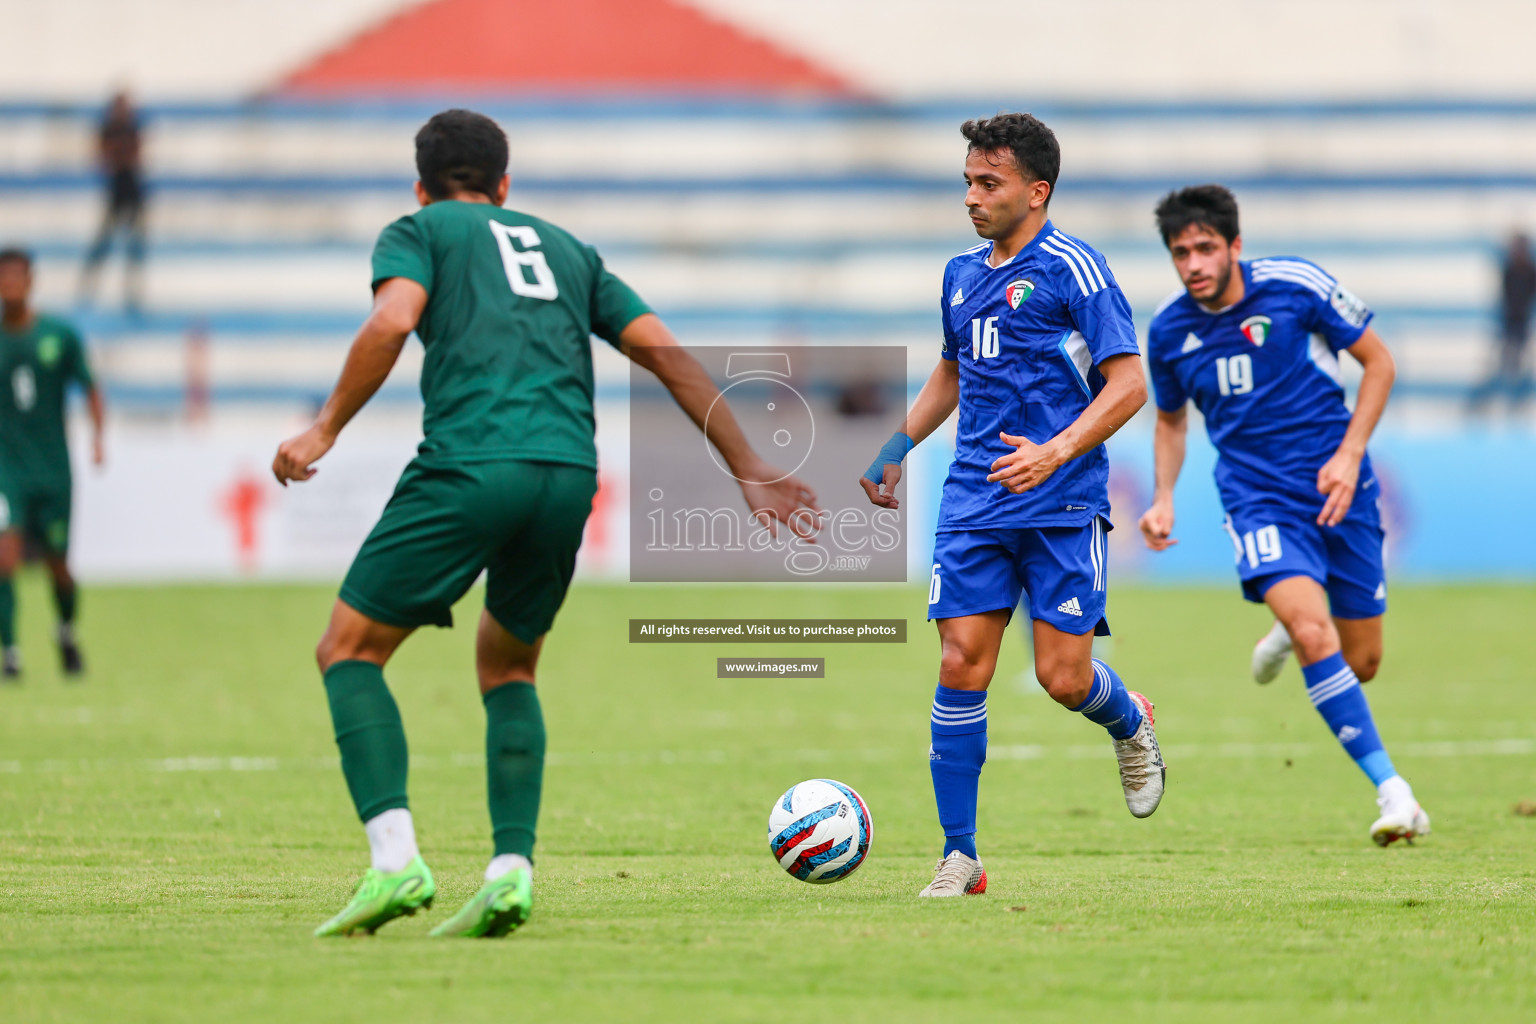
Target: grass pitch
<point>173,828</point>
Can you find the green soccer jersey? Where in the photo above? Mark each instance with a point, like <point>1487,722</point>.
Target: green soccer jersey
<point>512,304</point>
<point>38,365</point>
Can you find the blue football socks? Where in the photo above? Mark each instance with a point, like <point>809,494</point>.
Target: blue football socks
<point>1335,692</point>
<point>959,730</point>
<point>1110,704</point>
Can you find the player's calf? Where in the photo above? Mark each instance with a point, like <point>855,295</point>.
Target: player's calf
<point>1361,641</point>
<point>957,728</point>
<point>11,667</point>
<point>1336,694</point>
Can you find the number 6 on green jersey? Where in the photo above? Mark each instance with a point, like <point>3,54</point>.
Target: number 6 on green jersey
<point>514,260</point>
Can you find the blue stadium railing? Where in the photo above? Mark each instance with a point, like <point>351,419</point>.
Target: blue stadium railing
<point>242,326</point>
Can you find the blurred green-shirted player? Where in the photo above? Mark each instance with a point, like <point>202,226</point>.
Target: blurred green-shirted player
<point>505,305</point>
<point>40,357</point>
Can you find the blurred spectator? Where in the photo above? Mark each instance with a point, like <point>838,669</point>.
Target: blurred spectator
<point>119,156</point>
<point>1517,291</point>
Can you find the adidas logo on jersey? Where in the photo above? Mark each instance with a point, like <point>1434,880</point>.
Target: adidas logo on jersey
<point>955,299</point>
<point>1190,341</point>
<point>1070,607</point>
<point>1348,733</point>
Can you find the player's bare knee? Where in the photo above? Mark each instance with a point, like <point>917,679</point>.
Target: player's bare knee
<point>963,667</point>
<point>325,651</point>
<point>1313,638</point>
<point>1364,663</point>
<point>497,667</point>
<point>335,645</point>
<point>1067,683</point>
<point>500,675</point>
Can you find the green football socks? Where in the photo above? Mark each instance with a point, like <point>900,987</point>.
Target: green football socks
<point>371,737</point>
<point>514,765</point>
<point>7,613</point>
<point>64,599</point>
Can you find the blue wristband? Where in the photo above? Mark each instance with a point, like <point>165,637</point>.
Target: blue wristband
<point>891,454</point>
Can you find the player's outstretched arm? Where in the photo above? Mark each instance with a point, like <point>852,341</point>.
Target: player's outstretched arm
<point>1340,475</point>
<point>649,344</point>
<point>1029,465</point>
<point>397,306</point>
<point>1167,460</point>
<point>940,395</point>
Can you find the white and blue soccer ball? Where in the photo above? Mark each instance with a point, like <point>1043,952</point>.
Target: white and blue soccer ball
<point>820,831</point>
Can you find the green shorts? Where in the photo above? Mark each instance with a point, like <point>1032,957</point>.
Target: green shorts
<point>520,522</point>
<point>39,510</point>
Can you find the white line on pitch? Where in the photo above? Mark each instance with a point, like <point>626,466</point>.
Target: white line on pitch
<point>625,758</point>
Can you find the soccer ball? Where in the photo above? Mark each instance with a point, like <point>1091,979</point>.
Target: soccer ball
<point>820,831</point>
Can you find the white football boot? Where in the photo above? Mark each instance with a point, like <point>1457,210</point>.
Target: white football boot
<point>1269,654</point>
<point>1401,815</point>
<point>1142,772</point>
<point>957,875</point>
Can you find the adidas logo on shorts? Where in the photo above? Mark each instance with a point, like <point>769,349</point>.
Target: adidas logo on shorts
<point>1070,606</point>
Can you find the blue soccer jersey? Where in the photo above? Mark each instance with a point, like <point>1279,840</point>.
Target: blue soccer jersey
<point>1028,336</point>
<point>1265,375</point>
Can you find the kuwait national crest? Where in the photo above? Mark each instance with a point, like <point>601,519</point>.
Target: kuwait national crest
<point>1018,291</point>
<point>1256,329</point>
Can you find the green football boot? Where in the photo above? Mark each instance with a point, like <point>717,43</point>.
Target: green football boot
<point>382,897</point>
<point>499,907</point>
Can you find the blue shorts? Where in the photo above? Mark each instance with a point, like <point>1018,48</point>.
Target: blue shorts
<point>1272,544</point>
<point>1062,568</point>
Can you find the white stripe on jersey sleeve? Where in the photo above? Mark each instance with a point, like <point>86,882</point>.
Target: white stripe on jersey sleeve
<point>1093,264</point>
<point>1306,282</point>
<point>1323,277</point>
<point>1075,347</point>
<point>1170,300</point>
<point>1323,357</point>
<point>1295,271</point>
<point>1071,265</point>
<point>1079,259</point>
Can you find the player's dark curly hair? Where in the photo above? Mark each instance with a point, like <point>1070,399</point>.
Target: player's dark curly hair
<point>1211,206</point>
<point>16,253</point>
<point>460,151</point>
<point>1033,145</point>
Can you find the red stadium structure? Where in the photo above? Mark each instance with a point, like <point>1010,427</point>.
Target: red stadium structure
<point>603,47</point>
